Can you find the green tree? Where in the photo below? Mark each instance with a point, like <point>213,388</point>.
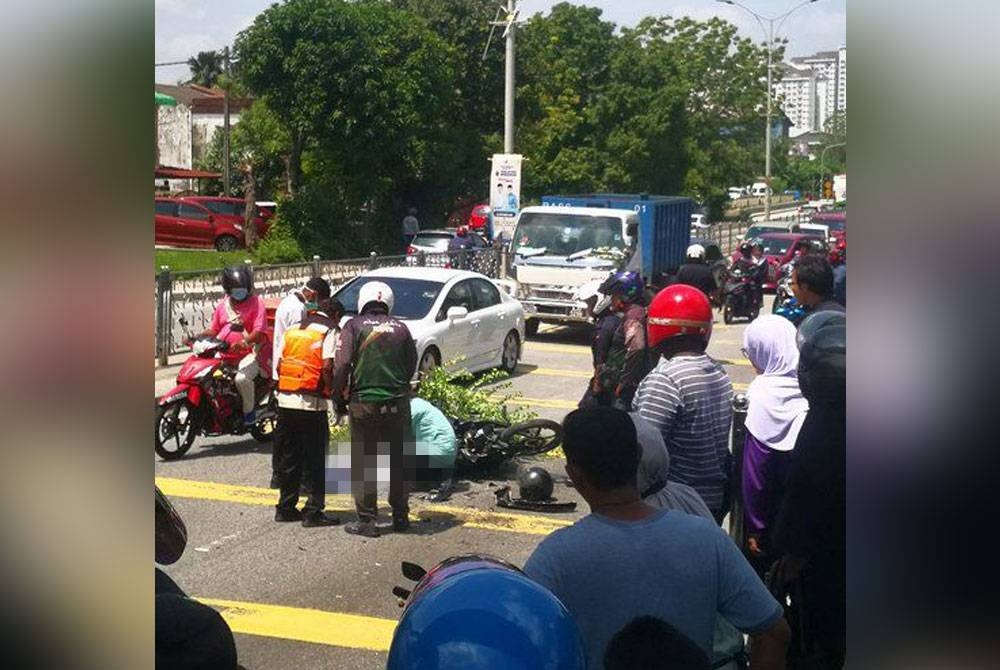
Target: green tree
<point>366,88</point>
<point>206,68</point>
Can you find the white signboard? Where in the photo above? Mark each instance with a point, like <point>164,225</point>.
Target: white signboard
<point>505,192</point>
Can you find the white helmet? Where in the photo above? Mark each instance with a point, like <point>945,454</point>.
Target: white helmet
<point>375,291</point>
<point>696,251</point>
<point>590,290</point>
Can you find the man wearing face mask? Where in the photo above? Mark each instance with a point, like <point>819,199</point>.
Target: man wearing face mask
<point>291,310</point>
<point>240,319</point>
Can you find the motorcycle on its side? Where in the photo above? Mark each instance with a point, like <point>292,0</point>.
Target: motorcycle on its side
<point>205,401</point>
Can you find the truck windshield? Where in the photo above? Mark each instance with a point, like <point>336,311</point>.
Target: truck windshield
<point>564,234</point>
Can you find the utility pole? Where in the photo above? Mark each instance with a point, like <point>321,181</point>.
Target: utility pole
<point>769,32</point>
<point>225,127</point>
<point>508,89</point>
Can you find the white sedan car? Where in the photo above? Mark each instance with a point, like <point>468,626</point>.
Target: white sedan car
<point>451,314</point>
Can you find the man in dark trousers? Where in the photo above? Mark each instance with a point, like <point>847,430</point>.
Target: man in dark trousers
<point>304,381</point>
<point>377,352</point>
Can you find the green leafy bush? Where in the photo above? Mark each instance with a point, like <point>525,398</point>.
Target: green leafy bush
<point>462,395</point>
<point>278,246</point>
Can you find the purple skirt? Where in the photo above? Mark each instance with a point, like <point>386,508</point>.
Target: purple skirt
<point>763,485</point>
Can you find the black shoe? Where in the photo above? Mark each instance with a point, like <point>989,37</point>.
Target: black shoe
<point>287,514</point>
<point>319,519</point>
<point>363,528</point>
<point>400,524</point>
<point>275,482</point>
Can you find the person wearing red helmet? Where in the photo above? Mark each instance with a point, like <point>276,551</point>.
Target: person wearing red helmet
<point>688,395</point>
<point>458,248</point>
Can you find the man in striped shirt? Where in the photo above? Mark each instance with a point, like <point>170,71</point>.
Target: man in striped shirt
<point>688,396</point>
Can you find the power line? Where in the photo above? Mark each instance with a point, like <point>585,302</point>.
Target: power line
<point>176,62</point>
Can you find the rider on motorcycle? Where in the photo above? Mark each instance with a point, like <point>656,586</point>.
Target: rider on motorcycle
<point>748,266</point>
<point>240,320</point>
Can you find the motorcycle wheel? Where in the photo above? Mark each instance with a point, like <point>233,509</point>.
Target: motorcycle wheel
<point>727,311</point>
<point>776,304</point>
<point>755,312</point>
<point>176,428</point>
<point>531,437</point>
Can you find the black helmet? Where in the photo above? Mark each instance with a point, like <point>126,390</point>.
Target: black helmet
<point>746,248</point>
<point>237,276</point>
<point>823,363</point>
<point>535,484</point>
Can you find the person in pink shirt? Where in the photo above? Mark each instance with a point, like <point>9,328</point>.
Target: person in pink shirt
<point>241,320</point>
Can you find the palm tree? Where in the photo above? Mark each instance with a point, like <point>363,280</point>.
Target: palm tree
<point>206,68</point>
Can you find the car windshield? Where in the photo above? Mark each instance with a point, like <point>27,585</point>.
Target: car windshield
<point>435,240</point>
<point>754,231</point>
<point>776,247</point>
<point>412,298</point>
<point>565,234</point>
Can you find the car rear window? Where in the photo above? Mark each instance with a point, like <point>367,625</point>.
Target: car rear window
<point>776,247</point>
<point>435,240</point>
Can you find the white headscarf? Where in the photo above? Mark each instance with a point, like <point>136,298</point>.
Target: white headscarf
<point>777,407</point>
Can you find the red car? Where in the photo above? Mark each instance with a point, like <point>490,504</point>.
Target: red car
<point>780,248</point>
<point>835,221</point>
<point>180,223</point>
<point>233,209</point>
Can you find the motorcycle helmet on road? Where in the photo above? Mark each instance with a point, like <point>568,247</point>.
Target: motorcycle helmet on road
<point>237,282</point>
<point>378,292</point>
<point>678,310</point>
<point>535,484</point>
<point>696,252</point>
<point>624,284</point>
<point>477,613</point>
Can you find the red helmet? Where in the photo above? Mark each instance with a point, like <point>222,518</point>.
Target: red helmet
<point>678,310</point>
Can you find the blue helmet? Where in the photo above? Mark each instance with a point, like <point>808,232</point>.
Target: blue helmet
<point>477,612</point>
<point>626,285</point>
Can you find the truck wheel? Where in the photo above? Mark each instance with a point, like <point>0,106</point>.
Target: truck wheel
<point>531,327</point>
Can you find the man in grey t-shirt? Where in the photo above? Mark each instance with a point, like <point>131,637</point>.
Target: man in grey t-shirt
<point>410,227</point>
<point>628,559</point>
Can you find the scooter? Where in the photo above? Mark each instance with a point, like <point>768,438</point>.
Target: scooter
<point>205,400</point>
<point>741,299</point>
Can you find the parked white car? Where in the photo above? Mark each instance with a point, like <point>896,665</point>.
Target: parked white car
<point>736,192</point>
<point>451,314</point>
<point>759,189</point>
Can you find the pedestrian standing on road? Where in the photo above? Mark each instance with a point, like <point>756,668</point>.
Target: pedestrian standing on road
<point>627,363</point>
<point>812,285</point>
<point>606,323</point>
<point>810,532</point>
<point>775,415</point>
<point>411,226</point>
<point>628,559</point>
<point>377,355</point>
<point>290,312</point>
<point>304,381</point>
<point>688,395</point>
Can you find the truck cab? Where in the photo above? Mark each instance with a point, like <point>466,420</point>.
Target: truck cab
<point>557,249</point>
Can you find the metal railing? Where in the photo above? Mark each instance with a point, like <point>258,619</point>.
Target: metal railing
<point>195,294</point>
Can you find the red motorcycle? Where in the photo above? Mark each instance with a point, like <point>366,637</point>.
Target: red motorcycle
<point>206,402</point>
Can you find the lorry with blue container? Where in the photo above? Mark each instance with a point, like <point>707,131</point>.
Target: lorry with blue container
<point>571,240</point>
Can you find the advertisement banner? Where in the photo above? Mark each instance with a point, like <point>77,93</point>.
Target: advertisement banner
<point>505,192</point>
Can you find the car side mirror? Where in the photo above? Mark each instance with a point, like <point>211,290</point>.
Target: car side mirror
<point>457,313</point>
<point>211,218</point>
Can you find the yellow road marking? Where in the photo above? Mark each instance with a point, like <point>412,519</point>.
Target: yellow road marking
<point>466,516</point>
<point>559,348</point>
<point>306,625</point>
<point>553,372</point>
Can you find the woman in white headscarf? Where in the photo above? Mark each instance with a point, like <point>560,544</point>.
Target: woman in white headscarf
<point>774,416</point>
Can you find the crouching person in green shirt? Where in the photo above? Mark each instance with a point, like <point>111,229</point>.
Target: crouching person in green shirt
<point>434,448</point>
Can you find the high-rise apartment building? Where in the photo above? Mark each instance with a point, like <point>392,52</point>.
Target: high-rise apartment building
<point>813,88</point>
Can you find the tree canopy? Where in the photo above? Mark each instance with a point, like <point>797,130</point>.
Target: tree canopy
<point>372,106</point>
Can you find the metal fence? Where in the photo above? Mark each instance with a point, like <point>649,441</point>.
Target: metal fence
<point>194,294</point>
<point>727,235</point>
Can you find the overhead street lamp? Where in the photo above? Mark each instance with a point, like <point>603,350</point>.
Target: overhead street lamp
<point>769,32</point>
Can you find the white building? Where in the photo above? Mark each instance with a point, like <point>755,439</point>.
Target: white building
<point>812,89</point>
<point>185,131</point>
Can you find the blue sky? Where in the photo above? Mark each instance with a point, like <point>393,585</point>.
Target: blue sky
<point>185,27</point>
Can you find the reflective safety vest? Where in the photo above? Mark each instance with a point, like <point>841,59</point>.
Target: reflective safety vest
<point>300,369</point>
